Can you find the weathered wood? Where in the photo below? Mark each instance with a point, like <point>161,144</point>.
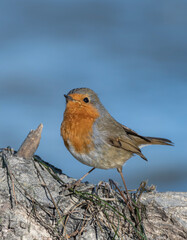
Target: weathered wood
<point>35,215</point>
<point>31,143</point>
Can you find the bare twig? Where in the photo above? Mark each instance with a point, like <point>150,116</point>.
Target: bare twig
<point>52,199</point>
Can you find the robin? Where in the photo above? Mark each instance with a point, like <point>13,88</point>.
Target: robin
<point>95,138</point>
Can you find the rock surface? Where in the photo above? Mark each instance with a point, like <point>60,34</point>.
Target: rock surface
<point>35,204</point>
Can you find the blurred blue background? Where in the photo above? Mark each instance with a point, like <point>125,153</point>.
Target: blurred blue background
<point>132,53</point>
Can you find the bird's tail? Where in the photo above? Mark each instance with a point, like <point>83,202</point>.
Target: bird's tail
<point>159,141</point>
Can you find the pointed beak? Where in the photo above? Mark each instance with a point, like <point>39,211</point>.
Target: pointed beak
<point>68,98</point>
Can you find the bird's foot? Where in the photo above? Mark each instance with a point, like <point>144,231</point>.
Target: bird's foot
<point>125,195</point>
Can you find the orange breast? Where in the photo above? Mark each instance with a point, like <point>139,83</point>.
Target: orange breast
<point>77,126</point>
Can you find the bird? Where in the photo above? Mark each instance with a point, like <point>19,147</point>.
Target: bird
<point>95,138</point>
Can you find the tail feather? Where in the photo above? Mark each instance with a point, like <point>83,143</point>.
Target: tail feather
<point>159,141</point>
<point>144,141</point>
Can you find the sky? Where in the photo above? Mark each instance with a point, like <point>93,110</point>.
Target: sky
<point>133,54</point>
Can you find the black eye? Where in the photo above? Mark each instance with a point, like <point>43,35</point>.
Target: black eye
<point>86,100</point>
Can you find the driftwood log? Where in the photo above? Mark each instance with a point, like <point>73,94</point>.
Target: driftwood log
<point>35,203</point>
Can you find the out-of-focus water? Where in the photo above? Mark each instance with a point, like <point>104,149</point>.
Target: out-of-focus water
<point>132,53</point>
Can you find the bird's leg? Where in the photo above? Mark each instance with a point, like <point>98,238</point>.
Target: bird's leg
<point>85,175</point>
<point>123,179</point>
<point>79,181</point>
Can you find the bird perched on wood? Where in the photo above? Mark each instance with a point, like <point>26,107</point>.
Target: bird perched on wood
<point>95,138</point>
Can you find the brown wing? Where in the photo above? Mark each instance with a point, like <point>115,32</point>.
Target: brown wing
<point>138,138</point>
<point>126,144</point>
<point>141,140</point>
<point>132,140</point>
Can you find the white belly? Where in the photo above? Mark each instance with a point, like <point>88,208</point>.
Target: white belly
<point>102,158</point>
